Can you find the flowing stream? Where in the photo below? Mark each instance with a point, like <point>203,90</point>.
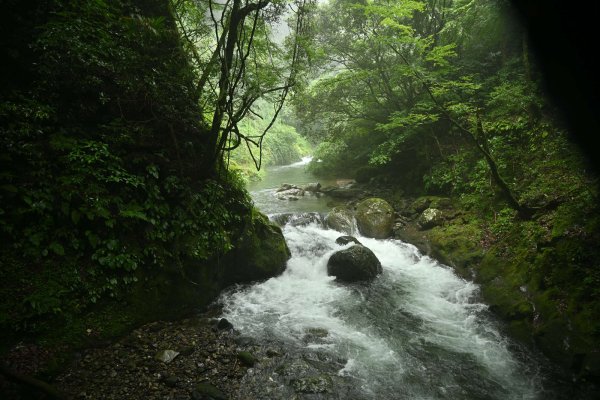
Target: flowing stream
<point>417,332</point>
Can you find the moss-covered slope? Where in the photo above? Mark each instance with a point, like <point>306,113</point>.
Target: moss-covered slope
<point>111,212</point>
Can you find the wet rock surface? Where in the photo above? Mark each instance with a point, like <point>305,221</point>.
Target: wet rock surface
<point>356,263</point>
<point>341,219</point>
<point>375,218</point>
<point>211,362</point>
<point>189,359</point>
<point>344,240</point>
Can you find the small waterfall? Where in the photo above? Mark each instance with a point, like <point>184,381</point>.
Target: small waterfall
<point>298,219</point>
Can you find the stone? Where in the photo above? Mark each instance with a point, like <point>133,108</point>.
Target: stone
<point>340,219</point>
<point>305,219</point>
<point>261,253</point>
<point>429,218</point>
<point>224,324</point>
<point>290,194</point>
<point>375,218</point>
<point>344,240</point>
<point>356,263</point>
<point>345,193</point>
<point>286,186</point>
<point>246,358</point>
<point>313,384</point>
<point>273,353</point>
<point>420,204</point>
<point>170,380</point>
<point>166,356</point>
<point>312,187</point>
<point>441,203</point>
<point>206,390</point>
<point>186,351</point>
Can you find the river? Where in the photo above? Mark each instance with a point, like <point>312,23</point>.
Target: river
<point>417,332</point>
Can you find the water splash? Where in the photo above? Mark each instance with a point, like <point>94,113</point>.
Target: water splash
<point>418,331</point>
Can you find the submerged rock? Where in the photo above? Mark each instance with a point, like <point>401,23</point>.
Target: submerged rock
<point>305,219</point>
<point>375,218</point>
<point>166,356</point>
<point>340,219</point>
<point>356,263</point>
<point>297,219</point>
<point>344,240</point>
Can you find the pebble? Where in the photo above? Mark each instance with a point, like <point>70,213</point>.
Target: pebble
<point>136,366</point>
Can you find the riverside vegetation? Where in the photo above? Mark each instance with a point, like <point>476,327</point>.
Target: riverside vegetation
<point>441,108</point>
<point>128,127</point>
<point>116,204</point>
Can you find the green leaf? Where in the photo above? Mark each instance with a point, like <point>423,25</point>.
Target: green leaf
<point>57,248</point>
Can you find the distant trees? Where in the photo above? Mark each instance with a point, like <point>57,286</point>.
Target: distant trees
<point>445,87</point>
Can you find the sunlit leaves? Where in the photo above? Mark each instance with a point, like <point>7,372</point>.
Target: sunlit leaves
<point>440,56</point>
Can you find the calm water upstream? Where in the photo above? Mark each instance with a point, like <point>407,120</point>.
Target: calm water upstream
<point>417,332</point>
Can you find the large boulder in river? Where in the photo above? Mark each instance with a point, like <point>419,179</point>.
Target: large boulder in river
<point>375,218</point>
<point>289,194</point>
<point>344,240</point>
<point>340,219</point>
<point>286,186</point>
<point>312,187</point>
<point>429,218</point>
<point>260,253</point>
<point>356,263</point>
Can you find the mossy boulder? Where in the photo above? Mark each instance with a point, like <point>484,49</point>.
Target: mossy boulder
<point>429,218</point>
<point>375,218</point>
<point>424,202</point>
<point>356,263</point>
<point>260,253</point>
<point>340,219</point>
<point>247,358</point>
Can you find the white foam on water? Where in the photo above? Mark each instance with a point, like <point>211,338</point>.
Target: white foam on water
<point>445,307</point>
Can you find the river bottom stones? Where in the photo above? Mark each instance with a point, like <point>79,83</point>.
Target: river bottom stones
<point>356,263</point>
<point>313,384</point>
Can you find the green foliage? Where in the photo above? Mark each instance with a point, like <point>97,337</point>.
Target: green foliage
<point>442,97</point>
<point>327,156</point>
<point>282,145</point>
<point>104,178</point>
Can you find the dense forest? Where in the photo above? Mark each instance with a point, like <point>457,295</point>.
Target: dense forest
<point>441,99</point>
<point>130,129</point>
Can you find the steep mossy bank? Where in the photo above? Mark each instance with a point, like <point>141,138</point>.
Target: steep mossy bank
<point>540,275</point>
<point>113,210</point>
